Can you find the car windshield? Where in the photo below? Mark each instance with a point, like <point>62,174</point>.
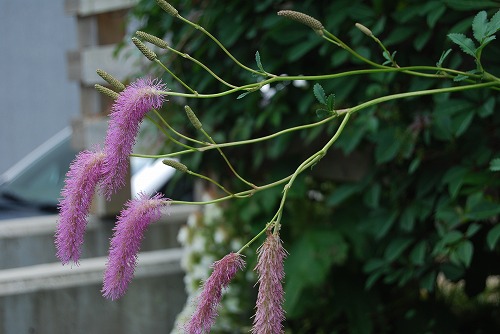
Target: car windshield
<point>41,184</point>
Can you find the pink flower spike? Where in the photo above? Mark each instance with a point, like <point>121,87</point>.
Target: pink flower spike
<point>126,115</point>
<point>126,242</point>
<point>208,301</point>
<point>83,176</point>
<point>269,313</point>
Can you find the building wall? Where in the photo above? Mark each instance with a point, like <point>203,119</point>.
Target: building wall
<point>36,97</point>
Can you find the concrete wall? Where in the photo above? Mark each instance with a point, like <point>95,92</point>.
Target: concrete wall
<point>36,97</point>
<point>39,295</point>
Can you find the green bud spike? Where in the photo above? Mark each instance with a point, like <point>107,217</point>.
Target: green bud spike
<point>144,49</point>
<point>364,29</point>
<point>167,7</point>
<point>176,164</point>
<point>192,117</point>
<point>111,80</point>
<point>152,39</point>
<point>106,91</point>
<point>303,18</point>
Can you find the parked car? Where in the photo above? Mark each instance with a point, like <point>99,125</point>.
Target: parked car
<point>33,185</point>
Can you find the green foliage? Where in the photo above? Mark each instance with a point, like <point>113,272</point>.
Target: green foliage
<point>413,191</point>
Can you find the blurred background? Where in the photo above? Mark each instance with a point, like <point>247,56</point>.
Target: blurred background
<point>38,98</point>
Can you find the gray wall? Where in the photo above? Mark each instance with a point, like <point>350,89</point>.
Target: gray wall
<point>36,97</point>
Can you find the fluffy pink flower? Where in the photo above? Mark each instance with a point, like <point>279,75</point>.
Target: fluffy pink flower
<point>83,176</point>
<point>126,115</point>
<point>208,301</point>
<point>126,242</point>
<point>269,313</point>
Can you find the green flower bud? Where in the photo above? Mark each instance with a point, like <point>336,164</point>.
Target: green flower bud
<point>176,164</point>
<point>303,18</point>
<point>106,91</point>
<point>364,29</point>
<point>167,7</point>
<point>144,49</point>
<point>192,117</point>
<point>111,80</point>
<point>152,39</point>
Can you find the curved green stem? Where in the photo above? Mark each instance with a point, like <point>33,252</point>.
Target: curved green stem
<point>223,48</point>
<point>227,160</point>
<point>199,63</point>
<point>192,149</point>
<point>175,77</point>
<point>176,132</point>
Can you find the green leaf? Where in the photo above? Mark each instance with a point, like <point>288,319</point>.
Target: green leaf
<point>343,192</point>
<point>244,94</point>
<point>257,59</point>
<point>372,197</point>
<point>493,237</point>
<point>478,207</point>
<point>452,271</point>
<point>466,44</point>
<point>495,165</point>
<point>428,281</point>
<point>319,92</point>
<point>323,113</point>
<point>396,247</point>
<point>417,254</point>
<point>472,229</point>
<point>463,253</point>
<point>494,24</point>
<point>442,58</point>
<point>388,145</point>
<point>310,261</point>
<point>330,102</point>
<point>407,219</point>
<point>434,15</point>
<point>454,177</point>
<point>480,26</point>
<point>487,108</point>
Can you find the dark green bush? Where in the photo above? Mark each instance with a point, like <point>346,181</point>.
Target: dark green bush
<point>406,206</point>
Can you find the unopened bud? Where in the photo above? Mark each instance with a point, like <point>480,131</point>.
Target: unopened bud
<point>192,117</point>
<point>111,80</point>
<point>144,49</point>
<point>364,29</point>
<point>106,91</point>
<point>303,18</point>
<point>176,164</point>
<point>167,7</point>
<point>152,39</point>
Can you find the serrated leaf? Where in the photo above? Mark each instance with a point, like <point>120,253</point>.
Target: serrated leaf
<point>494,24</point>
<point>493,237</point>
<point>257,60</point>
<point>443,57</point>
<point>330,102</point>
<point>480,26</point>
<point>466,44</point>
<point>323,113</point>
<point>495,165</point>
<point>319,92</point>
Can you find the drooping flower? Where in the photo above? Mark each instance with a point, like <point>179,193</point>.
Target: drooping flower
<point>126,242</point>
<point>269,314</point>
<point>126,115</point>
<point>81,180</point>
<point>206,309</point>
